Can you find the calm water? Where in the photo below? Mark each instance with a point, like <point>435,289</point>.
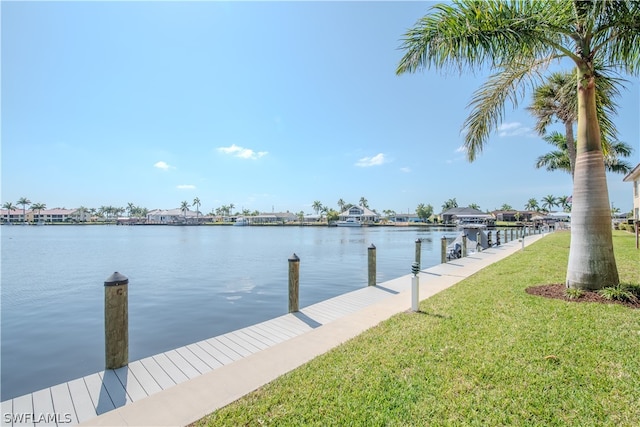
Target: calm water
<point>185,284</point>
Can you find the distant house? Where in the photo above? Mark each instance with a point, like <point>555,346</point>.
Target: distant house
<point>634,177</point>
<point>400,217</point>
<point>13,215</point>
<point>513,215</point>
<point>272,218</point>
<point>173,216</point>
<point>466,216</point>
<point>359,213</point>
<point>45,215</point>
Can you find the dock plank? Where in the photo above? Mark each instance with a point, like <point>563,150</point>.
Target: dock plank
<point>101,400</point>
<point>268,338</point>
<point>134,389</point>
<point>170,368</point>
<point>215,352</point>
<point>43,408</point>
<point>114,387</point>
<point>193,360</point>
<point>203,355</point>
<point>63,404</point>
<point>182,364</point>
<point>146,380</point>
<point>43,412</point>
<point>82,403</point>
<point>23,409</point>
<point>257,341</point>
<point>224,339</point>
<point>7,412</point>
<point>159,375</point>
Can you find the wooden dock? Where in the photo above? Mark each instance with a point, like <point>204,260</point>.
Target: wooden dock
<point>84,398</point>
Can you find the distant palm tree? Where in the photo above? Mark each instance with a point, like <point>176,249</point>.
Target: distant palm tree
<point>560,159</point>
<point>130,209</point>
<point>230,207</point>
<point>196,203</point>
<point>9,207</point>
<point>506,207</point>
<point>341,205</point>
<point>317,206</point>
<point>548,202</point>
<point>449,204</point>
<point>474,206</point>
<point>531,205</point>
<point>24,202</point>
<point>184,207</point>
<point>38,207</point>
<point>364,202</point>
<point>564,202</point>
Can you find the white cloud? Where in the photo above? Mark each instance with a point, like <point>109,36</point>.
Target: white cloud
<point>376,160</point>
<point>513,129</point>
<point>163,165</point>
<point>243,153</point>
<point>186,187</point>
<point>405,170</point>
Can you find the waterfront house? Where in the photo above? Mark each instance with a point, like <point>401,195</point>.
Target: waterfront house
<point>466,215</point>
<point>634,177</point>
<point>173,216</point>
<point>360,214</point>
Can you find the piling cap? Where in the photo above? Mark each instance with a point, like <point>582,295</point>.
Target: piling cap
<point>372,246</point>
<point>294,258</point>
<point>116,279</point>
<point>418,240</point>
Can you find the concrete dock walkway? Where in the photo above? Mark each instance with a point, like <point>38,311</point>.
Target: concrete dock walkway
<point>183,385</point>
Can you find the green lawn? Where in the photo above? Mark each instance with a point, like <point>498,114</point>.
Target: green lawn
<point>481,353</point>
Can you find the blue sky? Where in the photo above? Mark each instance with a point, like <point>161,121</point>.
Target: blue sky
<point>266,106</point>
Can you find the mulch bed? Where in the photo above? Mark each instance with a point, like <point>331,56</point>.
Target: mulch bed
<point>557,291</point>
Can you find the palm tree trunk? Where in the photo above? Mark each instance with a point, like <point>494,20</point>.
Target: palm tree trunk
<point>592,264</point>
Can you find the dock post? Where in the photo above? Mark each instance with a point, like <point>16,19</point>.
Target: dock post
<point>478,242</point>
<point>443,250</point>
<point>372,264</point>
<point>294,283</point>
<point>415,288</point>
<point>489,242</point>
<point>464,245</point>
<point>116,321</point>
<point>419,251</point>
<point>497,237</point>
<point>505,236</point>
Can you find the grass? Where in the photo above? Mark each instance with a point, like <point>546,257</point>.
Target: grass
<point>481,353</point>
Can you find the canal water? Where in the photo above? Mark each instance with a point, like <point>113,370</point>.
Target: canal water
<point>186,284</point>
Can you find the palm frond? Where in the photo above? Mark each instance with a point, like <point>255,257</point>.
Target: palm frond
<point>488,102</point>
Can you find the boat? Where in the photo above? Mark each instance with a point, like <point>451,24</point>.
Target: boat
<point>349,222</point>
<point>241,221</point>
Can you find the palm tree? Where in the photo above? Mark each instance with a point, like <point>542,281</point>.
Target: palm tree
<point>564,202</point>
<point>230,207</point>
<point>38,207</point>
<point>341,205</point>
<point>532,205</point>
<point>184,207</point>
<point>518,40</point>
<point>24,202</point>
<point>364,202</point>
<point>474,206</point>
<point>506,207</point>
<point>130,209</point>
<point>317,206</point>
<point>449,204</point>
<point>9,207</point>
<point>548,202</point>
<point>557,98</point>
<point>560,159</point>
<point>196,203</point>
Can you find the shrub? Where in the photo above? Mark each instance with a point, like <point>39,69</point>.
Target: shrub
<point>618,293</point>
<point>573,293</point>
